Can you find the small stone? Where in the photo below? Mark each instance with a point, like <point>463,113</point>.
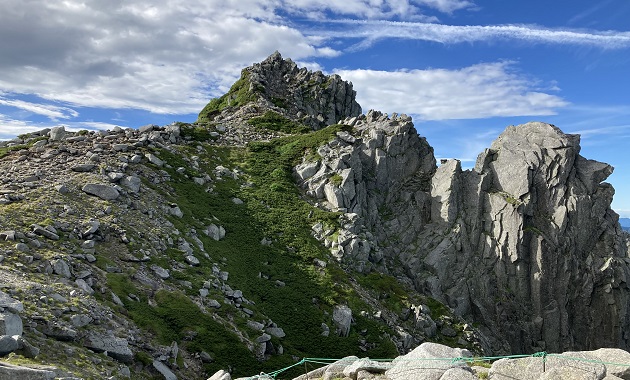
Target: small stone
<point>154,159</point>
<point>62,189</point>
<point>192,260</point>
<point>61,268</point>
<point>22,247</point>
<point>84,286</point>
<point>160,272</point>
<point>164,370</point>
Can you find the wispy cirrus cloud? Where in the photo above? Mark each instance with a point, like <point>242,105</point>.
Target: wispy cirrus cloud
<point>50,111</point>
<point>373,30</point>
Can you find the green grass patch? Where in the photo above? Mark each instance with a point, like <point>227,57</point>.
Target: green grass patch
<point>195,132</point>
<point>389,289</point>
<point>238,95</point>
<point>274,121</point>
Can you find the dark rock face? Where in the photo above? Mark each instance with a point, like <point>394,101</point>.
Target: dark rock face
<point>525,244</point>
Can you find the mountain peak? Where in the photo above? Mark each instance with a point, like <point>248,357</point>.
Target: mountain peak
<point>308,97</point>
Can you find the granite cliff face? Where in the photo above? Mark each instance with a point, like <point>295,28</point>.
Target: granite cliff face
<point>524,244</point>
<point>179,250</point>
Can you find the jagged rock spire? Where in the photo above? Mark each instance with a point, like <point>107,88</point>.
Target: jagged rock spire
<point>308,97</point>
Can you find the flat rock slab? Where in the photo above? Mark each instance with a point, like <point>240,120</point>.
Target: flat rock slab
<point>117,348</point>
<point>12,372</point>
<point>104,192</point>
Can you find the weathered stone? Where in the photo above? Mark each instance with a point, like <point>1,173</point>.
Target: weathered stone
<point>59,332</point>
<point>11,304</point>
<point>14,372</point>
<point>94,225</point>
<point>7,345</point>
<point>61,268</point>
<point>117,348</point>
<point>22,247</point>
<point>215,232</point>
<point>25,348</point>
<point>57,133</point>
<point>220,375</point>
<point>427,362</point>
<point>132,183</point>
<point>10,323</point>
<point>192,260</point>
<point>164,370</point>
<point>160,272</point>
<point>275,331</point>
<point>154,160</point>
<point>176,211</point>
<point>82,168</point>
<point>80,320</point>
<point>39,230</point>
<point>365,364</point>
<point>87,289</point>
<point>342,317</point>
<point>104,192</point>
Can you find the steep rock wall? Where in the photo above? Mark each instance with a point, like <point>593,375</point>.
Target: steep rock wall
<point>525,244</point>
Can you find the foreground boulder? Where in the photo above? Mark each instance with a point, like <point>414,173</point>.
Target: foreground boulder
<point>432,361</point>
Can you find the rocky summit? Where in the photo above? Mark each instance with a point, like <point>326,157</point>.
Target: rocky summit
<point>285,224</point>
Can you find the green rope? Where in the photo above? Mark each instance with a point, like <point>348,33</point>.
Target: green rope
<point>544,355</point>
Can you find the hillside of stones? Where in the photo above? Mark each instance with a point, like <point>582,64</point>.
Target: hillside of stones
<point>285,224</point>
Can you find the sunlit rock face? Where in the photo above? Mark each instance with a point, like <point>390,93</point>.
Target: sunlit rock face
<point>525,244</point>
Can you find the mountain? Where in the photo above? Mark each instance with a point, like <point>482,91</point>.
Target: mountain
<point>285,224</point>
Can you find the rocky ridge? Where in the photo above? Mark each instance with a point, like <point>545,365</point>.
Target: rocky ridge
<point>109,237</point>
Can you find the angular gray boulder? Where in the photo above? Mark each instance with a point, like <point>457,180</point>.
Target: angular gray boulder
<point>117,348</point>
<point>104,192</point>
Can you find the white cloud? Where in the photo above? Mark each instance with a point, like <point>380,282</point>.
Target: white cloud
<point>50,111</point>
<point>161,56</point>
<point>9,128</point>
<point>478,91</point>
<point>373,30</point>
<point>448,6</point>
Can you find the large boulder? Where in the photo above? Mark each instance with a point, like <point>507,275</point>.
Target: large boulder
<point>10,323</point>
<point>104,192</point>
<point>342,317</point>
<point>117,348</point>
<point>429,361</point>
<point>14,372</point>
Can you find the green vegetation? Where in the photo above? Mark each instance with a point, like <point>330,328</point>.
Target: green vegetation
<point>336,179</point>
<point>195,132</point>
<point>238,95</point>
<point>276,122</point>
<point>6,150</point>
<point>279,102</point>
<point>273,209</point>
<point>389,289</point>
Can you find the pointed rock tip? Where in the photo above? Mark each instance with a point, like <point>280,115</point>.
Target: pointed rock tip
<point>275,56</point>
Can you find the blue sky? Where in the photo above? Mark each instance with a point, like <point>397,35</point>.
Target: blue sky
<point>464,69</point>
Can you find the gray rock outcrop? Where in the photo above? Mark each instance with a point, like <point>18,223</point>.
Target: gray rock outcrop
<point>312,98</point>
<point>524,244</point>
